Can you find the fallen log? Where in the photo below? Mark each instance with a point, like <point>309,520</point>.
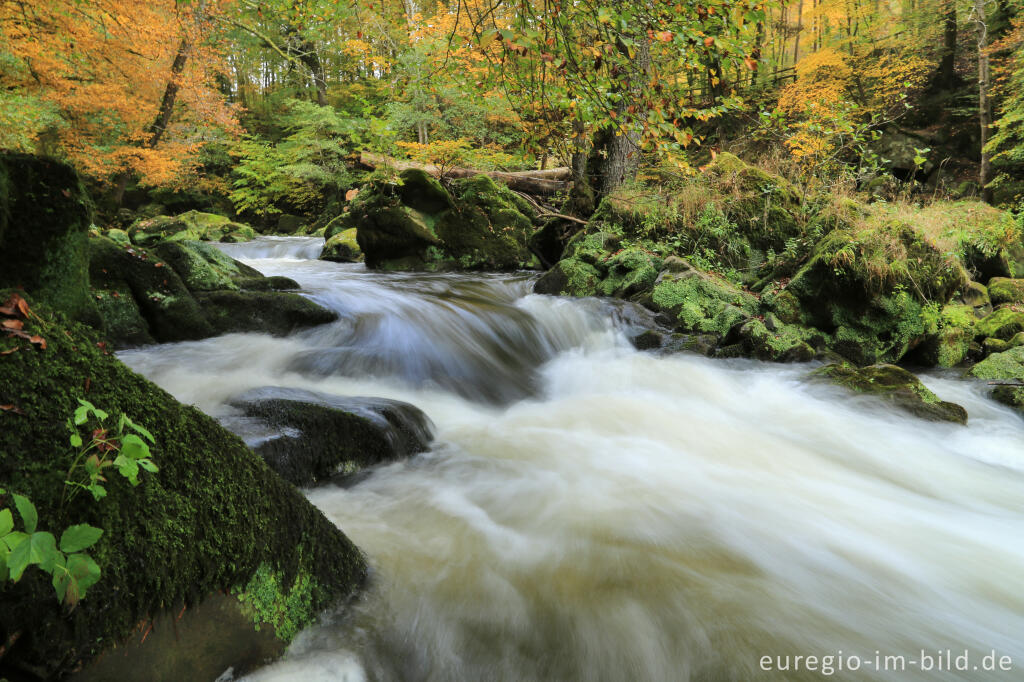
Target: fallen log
<point>540,182</point>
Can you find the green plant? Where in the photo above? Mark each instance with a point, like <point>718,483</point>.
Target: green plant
<point>127,452</point>
<point>72,570</point>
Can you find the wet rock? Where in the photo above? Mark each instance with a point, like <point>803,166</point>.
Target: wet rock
<point>781,343</point>
<point>322,436</point>
<point>895,386</point>
<point>277,313</point>
<point>976,295</point>
<point>571,277</point>
<point>290,224</point>
<point>1006,367</point>
<point>270,283</point>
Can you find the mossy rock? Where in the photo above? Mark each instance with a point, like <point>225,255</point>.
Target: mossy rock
<point>948,336</point>
<point>271,283</point>
<point>45,216</point>
<point>123,322</point>
<point>570,277</point>
<point>594,248</point>
<point>771,340</point>
<point>213,519</point>
<point>343,247</point>
<point>763,205</point>
<point>1008,364</point>
<point>188,226</point>
<point>196,271</point>
<point>421,191</point>
<point>118,236</point>
<point>976,295</point>
<point>630,272</point>
<point>290,224</point>
<point>488,228</point>
<point>323,436</point>
<point>896,386</point>
<point>697,302</point>
<point>166,304</point>
<point>277,313</point>
<point>1005,290</point>
<point>1003,323</point>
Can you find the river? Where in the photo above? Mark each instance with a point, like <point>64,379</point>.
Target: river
<point>592,512</point>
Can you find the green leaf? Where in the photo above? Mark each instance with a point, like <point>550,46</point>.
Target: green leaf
<point>12,540</point>
<point>76,440</point>
<point>134,447</point>
<point>139,429</point>
<point>74,577</point>
<point>81,414</point>
<point>28,512</point>
<point>98,491</point>
<point>38,549</point>
<point>6,522</point>
<point>79,537</point>
<point>148,465</point>
<point>128,468</point>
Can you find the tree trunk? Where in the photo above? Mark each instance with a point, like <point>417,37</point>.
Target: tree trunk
<point>159,126</point>
<point>984,106</point>
<point>945,78</point>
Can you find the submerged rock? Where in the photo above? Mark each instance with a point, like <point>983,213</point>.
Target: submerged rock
<point>214,522</point>
<point>322,435</point>
<point>896,386</point>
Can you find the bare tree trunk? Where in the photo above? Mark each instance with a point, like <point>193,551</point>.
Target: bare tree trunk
<point>799,29</point>
<point>984,106</point>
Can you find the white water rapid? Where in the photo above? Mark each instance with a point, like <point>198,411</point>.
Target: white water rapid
<point>591,512</point>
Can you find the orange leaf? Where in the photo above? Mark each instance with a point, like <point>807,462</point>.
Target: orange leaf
<point>12,324</point>
<point>38,340</point>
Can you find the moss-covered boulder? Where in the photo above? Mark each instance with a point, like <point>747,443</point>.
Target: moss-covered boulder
<point>770,340</point>
<point>569,277</point>
<point>976,296</point>
<point>189,226</point>
<point>418,224</point>
<point>166,305</point>
<point>897,387</point>
<point>948,335</point>
<point>320,436</point>
<point>342,247</point>
<point>187,290</point>
<point>1003,323</point>
<point>1007,368</point>
<point>1006,290</point>
<point>694,301</point>
<point>45,216</point>
<point>213,520</point>
<point>629,272</point>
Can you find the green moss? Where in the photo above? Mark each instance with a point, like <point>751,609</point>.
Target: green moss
<point>571,277</point>
<point>342,247</point>
<point>189,226</point>
<point>1006,365</point>
<point>421,191</point>
<point>1003,323</point>
<point>196,271</point>
<point>43,242</point>
<point>1006,290</point>
<point>269,600</point>
<point>629,272</point>
<point>779,343</point>
<point>122,319</point>
<point>256,311</point>
<point>896,386</point>
<point>701,303</point>
<point>207,522</point>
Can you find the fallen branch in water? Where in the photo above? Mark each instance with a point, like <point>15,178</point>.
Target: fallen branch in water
<point>1006,383</point>
<point>542,182</point>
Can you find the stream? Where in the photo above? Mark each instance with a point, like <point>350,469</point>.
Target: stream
<point>592,512</point>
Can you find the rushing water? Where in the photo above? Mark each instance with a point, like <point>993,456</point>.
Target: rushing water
<point>590,512</point>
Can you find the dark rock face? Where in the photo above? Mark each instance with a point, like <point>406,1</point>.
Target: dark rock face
<point>894,385</point>
<point>45,214</point>
<point>213,520</point>
<point>322,436</point>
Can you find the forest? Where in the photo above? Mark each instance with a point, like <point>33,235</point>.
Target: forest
<point>489,340</point>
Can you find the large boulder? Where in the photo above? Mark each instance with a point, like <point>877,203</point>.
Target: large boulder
<point>1007,369</point>
<point>896,386</point>
<point>45,215</point>
<point>418,224</point>
<point>213,526</point>
<point>318,436</point>
<point>342,247</point>
<point>1006,290</point>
